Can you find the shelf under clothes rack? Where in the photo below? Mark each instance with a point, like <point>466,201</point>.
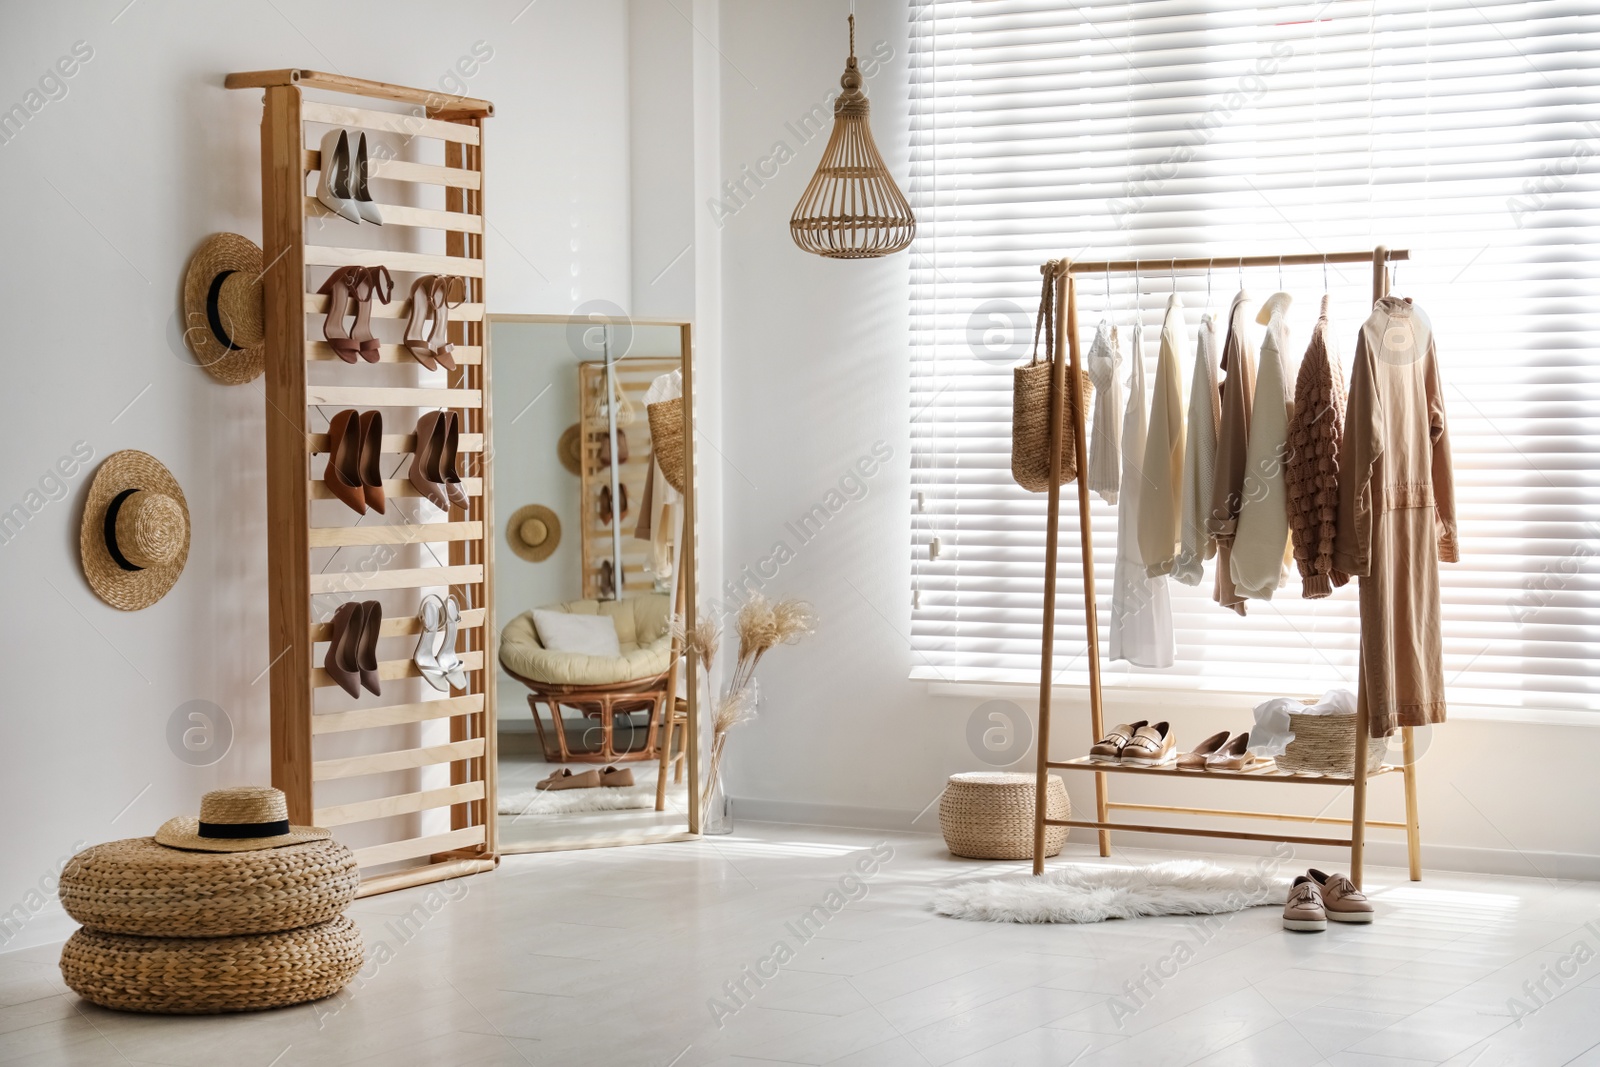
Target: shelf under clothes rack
<point>393,802</point>
<point>1063,272</point>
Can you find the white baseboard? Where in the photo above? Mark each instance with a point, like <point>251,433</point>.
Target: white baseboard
<point>1380,852</point>
<point>45,926</point>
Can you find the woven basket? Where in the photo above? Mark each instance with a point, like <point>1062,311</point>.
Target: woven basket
<point>1326,744</point>
<point>666,438</point>
<point>136,886</point>
<point>203,976</point>
<point>1030,427</point>
<point>988,815</point>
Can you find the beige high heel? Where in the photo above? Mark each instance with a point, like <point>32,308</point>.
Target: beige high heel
<point>416,340</point>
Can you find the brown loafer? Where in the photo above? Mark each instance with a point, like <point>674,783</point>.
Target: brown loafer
<point>1343,901</point>
<point>1304,910</point>
<point>616,776</point>
<point>565,779</point>
<point>1109,748</point>
<point>1152,746</point>
<point>1195,759</point>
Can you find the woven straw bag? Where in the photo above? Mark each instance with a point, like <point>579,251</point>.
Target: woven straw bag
<point>1030,406</point>
<point>137,886</point>
<point>666,438</point>
<point>988,815</point>
<point>206,975</point>
<point>1326,744</point>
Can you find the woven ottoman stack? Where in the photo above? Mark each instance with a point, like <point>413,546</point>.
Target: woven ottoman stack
<point>234,911</point>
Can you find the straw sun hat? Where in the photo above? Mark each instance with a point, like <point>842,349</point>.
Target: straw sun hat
<point>242,819</point>
<point>223,308</point>
<point>533,532</point>
<point>134,538</point>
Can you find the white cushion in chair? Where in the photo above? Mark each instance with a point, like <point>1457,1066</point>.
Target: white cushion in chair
<point>593,635</point>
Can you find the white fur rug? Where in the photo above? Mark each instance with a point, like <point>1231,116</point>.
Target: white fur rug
<point>1091,894</point>
<point>567,801</point>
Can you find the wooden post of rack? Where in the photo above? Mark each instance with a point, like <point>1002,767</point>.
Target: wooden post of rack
<point>293,480</point>
<point>1067,310</point>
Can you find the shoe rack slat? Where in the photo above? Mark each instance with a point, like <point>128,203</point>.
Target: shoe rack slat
<point>368,396</point>
<point>400,804</point>
<point>395,487</point>
<point>338,722</point>
<point>322,352</point>
<point>398,760</point>
<point>390,670</point>
<point>387,122</point>
<point>317,304</point>
<point>403,578</point>
<point>399,170</point>
<point>399,442</point>
<point>295,456</point>
<point>402,215</point>
<point>421,533</point>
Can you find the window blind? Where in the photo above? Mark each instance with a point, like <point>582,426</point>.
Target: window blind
<point>1467,132</point>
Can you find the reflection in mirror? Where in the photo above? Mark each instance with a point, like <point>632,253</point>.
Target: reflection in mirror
<point>589,481</point>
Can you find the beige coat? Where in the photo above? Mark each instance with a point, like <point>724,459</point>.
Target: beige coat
<point>1159,504</point>
<point>1233,436</point>
<point>1200,458</point>
<point>1261,546</point>
<point>1397,516</point>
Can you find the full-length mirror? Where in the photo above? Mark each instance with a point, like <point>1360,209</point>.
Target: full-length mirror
<point>594,492</point>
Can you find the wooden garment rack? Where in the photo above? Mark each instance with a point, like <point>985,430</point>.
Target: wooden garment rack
<point>293,309</point>
<point>1063,272</point>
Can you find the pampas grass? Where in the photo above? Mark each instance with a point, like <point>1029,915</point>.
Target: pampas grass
<point>761,626</point>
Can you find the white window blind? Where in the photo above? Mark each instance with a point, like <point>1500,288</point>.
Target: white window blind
<point>1468,132</point>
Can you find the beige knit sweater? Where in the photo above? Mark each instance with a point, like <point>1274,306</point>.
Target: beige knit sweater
<point>1315,435</point>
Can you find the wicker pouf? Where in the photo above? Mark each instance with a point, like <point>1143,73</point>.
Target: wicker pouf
<point>203,976</point>
<point>988,815</point>
<point>136,886</point>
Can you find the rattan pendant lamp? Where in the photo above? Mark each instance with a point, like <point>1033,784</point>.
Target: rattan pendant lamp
<point>852,209</point>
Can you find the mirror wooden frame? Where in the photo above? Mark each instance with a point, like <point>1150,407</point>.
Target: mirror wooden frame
<point>688,564</point>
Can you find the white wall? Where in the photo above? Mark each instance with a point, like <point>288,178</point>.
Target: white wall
<point>816,371</point>
<point>108,191</point>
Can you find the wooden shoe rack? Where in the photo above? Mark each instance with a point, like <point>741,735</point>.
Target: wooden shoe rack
<point>1066,374</point>
<point>407,823</point>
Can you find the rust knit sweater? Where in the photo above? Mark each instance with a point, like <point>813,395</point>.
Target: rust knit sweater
<point>1312,478</point>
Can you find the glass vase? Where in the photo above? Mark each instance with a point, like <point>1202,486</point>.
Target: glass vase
<point>719,809</point>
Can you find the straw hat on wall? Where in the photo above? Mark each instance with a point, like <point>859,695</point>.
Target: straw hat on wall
<point>134,538</point>
<point>223,309</point>
<point>533,532</point>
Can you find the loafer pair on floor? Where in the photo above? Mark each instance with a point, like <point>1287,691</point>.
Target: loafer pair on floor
<point>610,775</point>
<point>1140,743</point>
<point>1316,898</point>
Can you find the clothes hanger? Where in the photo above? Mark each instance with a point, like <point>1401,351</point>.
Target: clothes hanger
<point>1280,274</point>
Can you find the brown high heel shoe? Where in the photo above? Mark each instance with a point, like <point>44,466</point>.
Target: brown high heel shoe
<point>343,472</point>
<point>425,474</point>
<point>340,661</point>
<point>449,474</point>
<point>340,291</point>
<point>439,337</point>
<point>416,339</point>
<point>370,436</point>
<point>371,624</point>
<point>372,283</point>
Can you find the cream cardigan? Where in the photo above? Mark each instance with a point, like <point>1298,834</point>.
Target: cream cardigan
<point>1260,548</point>
<point>1159,505</point>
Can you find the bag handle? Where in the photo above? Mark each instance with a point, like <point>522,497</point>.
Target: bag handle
<point>1046,320</point>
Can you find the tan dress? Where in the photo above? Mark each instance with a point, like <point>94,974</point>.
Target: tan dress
<point>1397,515</point>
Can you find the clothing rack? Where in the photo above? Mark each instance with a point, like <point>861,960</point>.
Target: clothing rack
<point>289,218</point>
<point>1063,272</point>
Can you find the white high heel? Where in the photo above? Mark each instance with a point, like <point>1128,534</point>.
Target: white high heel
<point>333,181</point>
<point>426,656</point>
<point>454,669</point>
<point>358,186</point>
